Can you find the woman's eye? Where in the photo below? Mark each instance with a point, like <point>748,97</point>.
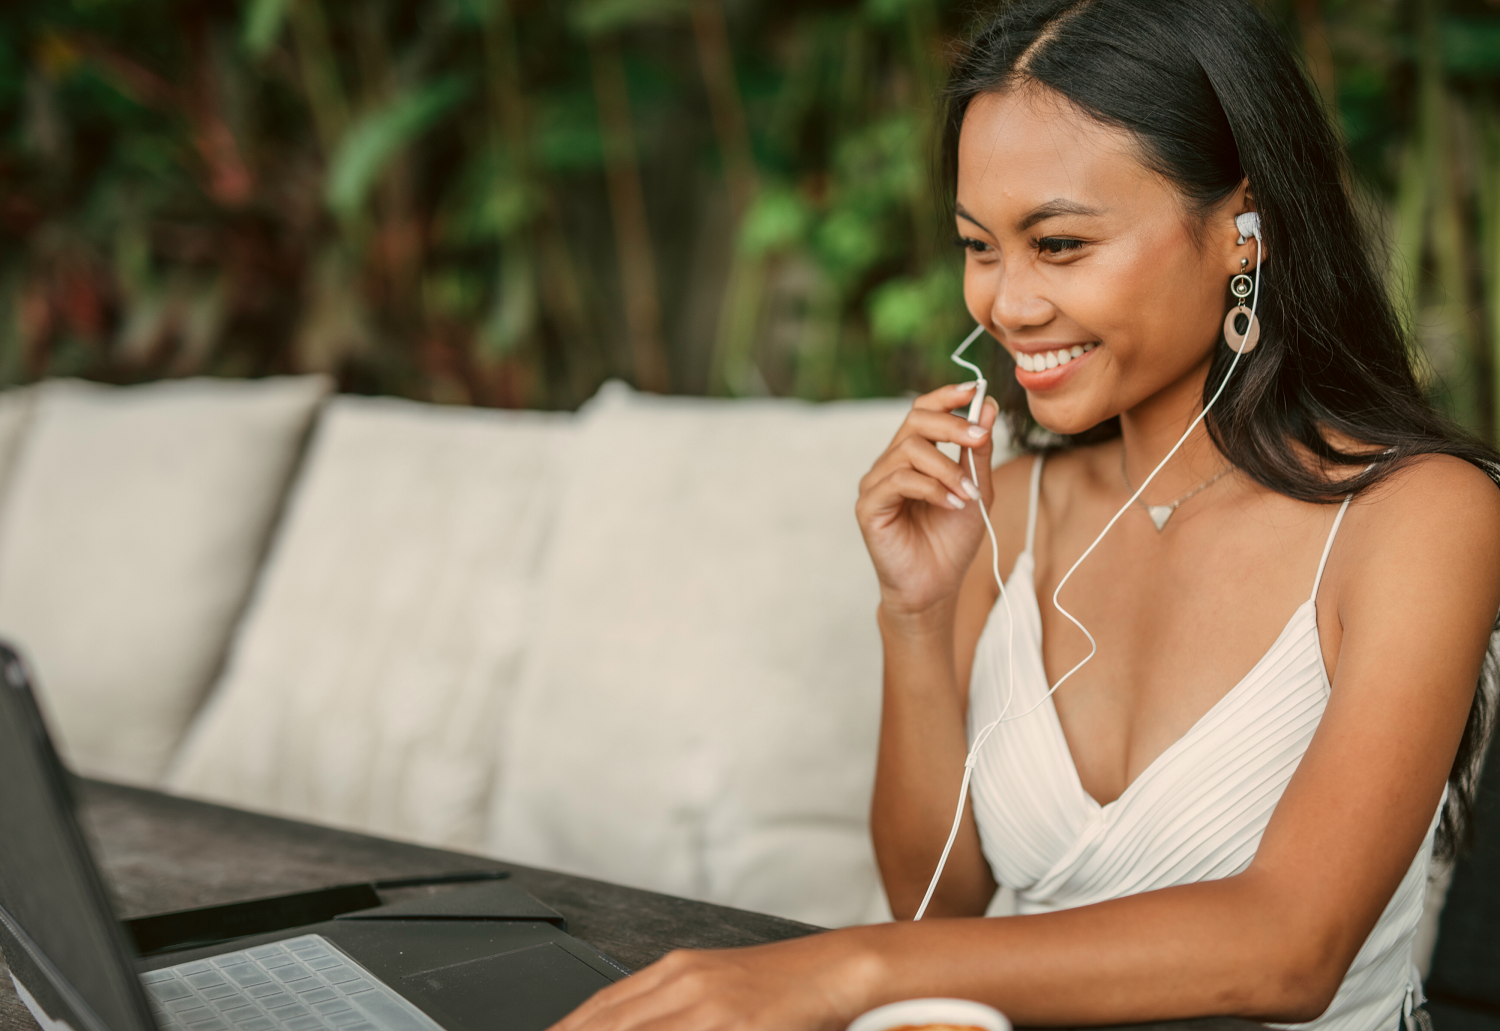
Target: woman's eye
<point>1057,244</point>
<point>968,243</point>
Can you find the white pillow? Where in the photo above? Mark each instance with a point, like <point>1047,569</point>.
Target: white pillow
<point>366,681</point>
<point>699,710</point>
<point>15,412</point>
<point>131,531</point>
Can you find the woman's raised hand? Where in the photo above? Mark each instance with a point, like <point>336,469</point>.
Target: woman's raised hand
<point>919,510</point>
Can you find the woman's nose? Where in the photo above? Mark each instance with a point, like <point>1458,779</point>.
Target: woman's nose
<point>1018,304</point>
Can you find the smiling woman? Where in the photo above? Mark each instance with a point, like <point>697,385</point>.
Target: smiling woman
<point>1231,804</point>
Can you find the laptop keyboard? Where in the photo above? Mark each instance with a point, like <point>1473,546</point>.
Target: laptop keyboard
<point>301,984</point>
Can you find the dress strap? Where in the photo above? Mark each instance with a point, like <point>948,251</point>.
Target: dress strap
<point>1327,547</point>
<point>1036,493</point>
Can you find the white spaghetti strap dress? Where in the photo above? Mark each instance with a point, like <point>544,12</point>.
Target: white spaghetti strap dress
<point>1195,814</point>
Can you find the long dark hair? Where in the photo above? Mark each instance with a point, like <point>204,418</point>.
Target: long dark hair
<point>1213,97</point>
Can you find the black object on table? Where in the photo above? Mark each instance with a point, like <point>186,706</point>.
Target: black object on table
<point>162,855</point>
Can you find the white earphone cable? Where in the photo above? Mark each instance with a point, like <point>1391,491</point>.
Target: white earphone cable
<point>984,733</point>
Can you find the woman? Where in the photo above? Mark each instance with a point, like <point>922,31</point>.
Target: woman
<point>1232,807</point>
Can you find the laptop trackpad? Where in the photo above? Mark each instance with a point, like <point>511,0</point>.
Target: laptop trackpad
<point>531,988</point>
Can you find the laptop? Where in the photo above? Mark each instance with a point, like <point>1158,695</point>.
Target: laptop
<point>481,956</point>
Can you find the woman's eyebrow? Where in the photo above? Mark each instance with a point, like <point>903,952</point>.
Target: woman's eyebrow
<point>958,209</point>
<point>1054,208</point>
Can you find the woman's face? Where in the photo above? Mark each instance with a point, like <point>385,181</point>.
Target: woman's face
<point>1075,247</point>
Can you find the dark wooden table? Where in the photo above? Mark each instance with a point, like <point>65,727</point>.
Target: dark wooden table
<point>162,853</point>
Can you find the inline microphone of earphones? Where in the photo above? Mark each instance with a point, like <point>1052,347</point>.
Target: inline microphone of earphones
<point>1248,225</point>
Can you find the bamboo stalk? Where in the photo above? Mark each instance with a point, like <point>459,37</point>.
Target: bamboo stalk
<point>627,204</point>
<point>739,308</point>
<point>230,181</point>
<point>1414,189</point>
<point>1450,251</point>
<point>558,286</point>
<point>1447,229</point>
<point>398,238</point>
<point>726,109</point>
<point>921,32</point>
<point>733,360</point>
<point>320,76</point>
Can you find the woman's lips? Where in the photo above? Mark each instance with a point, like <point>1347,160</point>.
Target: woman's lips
<point>1039,376</point>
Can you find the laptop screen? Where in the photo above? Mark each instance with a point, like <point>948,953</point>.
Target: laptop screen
<point>59,936</point>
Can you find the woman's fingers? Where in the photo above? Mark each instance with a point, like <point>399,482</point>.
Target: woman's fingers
<point>923,456</point>
<point>915,445</point>
<point>941,427</point>
<point>640,1010</point>
<point>611,999</point>
<point>946,399</point>
<point>883,501</point>
<point>675,992</point>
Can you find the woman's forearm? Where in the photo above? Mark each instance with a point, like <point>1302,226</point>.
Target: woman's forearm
<point>922,747</point>
<point>1219,947</point>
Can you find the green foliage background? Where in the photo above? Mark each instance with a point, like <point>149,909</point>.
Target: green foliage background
<point>505,202</point>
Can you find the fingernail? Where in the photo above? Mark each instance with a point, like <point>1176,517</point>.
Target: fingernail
<point>955,501</point>
<point>969,385</point>
<point>970,489</point>
<point>977,432</point>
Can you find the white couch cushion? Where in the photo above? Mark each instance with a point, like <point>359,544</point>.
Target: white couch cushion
<point>131,531</point>
<point>364,686</point>
<point>699,709</point>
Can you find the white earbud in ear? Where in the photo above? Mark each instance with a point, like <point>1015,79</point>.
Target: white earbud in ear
<point>1248,224</point>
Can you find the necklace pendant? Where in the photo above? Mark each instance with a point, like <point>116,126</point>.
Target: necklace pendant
<point>1160,514</point>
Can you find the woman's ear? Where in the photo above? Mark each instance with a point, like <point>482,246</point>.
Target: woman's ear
<point>1238,249</point>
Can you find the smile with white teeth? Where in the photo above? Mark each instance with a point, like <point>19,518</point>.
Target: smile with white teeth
<point>1044,360</point>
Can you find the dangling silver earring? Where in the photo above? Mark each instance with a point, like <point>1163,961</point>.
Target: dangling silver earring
<point>1241,286</point>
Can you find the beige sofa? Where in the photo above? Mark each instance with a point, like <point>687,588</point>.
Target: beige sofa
<point>636,643</point>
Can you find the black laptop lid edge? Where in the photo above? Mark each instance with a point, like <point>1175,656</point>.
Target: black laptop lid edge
<point>46,985</point>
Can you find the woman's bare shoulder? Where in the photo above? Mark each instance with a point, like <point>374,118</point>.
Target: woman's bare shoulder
<point>1438,491</point>
<point>1435,518</point>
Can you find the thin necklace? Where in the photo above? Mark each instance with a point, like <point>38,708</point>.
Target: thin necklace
<point>1161,513</point>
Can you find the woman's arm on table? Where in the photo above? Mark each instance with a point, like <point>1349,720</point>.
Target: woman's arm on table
<point>1417,591</point>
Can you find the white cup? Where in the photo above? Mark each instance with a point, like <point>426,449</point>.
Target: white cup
<point>925,1012</point>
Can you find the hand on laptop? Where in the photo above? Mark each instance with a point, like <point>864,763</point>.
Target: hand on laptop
<point>818,983</point>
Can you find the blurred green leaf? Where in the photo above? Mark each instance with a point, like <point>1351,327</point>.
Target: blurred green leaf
<point>881,162</point>
<point>909,309</point>
<point>514,314</point>
<point>1471,46</point>
<point>592,17</point>
<point>377,137</point>
<point>849,242</point>
<point>262,24</point>
<point>453,293</point>
<point>778,219</point>
<point>490,202</point>
<point>566,133</point>
<point>886,12</point>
